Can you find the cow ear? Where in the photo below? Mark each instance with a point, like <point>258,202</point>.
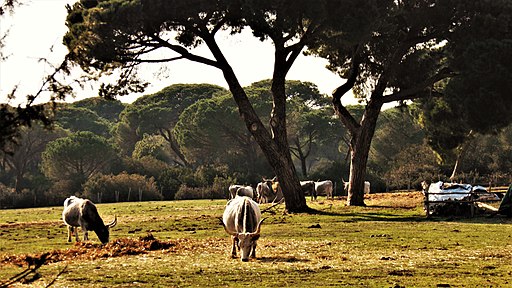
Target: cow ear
<point>255,237</point>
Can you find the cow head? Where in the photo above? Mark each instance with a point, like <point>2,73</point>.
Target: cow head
<point>246,242</point>
<point>103,232</point>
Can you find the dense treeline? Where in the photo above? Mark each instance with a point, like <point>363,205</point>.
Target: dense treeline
<point>188,141</point>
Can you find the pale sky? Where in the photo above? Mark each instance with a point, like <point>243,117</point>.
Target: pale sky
<point>36,30</point>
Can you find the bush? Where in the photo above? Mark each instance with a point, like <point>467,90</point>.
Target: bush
<point>191,193</point>
<point>122,187</point>
<point>221,187</point>
<point>171,179</point>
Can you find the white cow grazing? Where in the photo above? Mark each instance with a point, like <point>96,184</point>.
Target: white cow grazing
<point>240,190</point>
<point>241,220</point>
<point>323,188</point>
<point>82,212</point>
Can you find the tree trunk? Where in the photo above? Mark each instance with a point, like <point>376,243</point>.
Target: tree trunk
<point>360,149</point>
<point>461,152</point>
<point>274,148</point>
<point>275,144</point>
<point>302,158</point>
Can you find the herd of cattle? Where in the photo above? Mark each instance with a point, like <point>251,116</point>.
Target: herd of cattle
<point>269,190</point>
<point>241,218</point>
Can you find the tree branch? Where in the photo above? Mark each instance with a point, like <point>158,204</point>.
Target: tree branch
<point>185,53</point>
<point>411,93</point>
<point>340,110</point>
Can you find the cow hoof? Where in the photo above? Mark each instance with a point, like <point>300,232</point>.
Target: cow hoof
<point>245,260</point>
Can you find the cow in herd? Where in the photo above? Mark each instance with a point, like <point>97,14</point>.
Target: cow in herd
<point>240,190</point>
<point>269,190</point>
<point>242,220</point>
<point>82,213</point>
<point>366,186</point>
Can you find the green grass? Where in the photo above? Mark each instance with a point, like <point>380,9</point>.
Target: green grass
<point>390,243</point>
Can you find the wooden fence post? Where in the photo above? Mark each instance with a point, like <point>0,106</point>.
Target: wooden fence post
<point>427,204</point>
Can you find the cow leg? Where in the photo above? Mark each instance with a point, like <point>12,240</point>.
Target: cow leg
<point>74,230</point>
<point>86,234</point>
<point>70,231</point>
<point>233,250</point>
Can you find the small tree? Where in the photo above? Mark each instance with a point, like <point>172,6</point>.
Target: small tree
<point>78,156</point>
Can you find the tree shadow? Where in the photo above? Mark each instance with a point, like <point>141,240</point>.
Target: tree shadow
<point>374,213</point>
<point>282,259</point>
<point>369,215</point>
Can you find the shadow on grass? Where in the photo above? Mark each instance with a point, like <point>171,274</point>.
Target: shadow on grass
<point>289,259</point>
<point>383,213</point>
<point>369,215</point>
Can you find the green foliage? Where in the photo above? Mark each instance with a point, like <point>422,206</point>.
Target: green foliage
<point>211,132</point>
<point>11,119</point>
<point>151,146</point>
<point>106,108</point>
<point>122,187</point>
<point>411,166</point>
<point>78,157</point>
<point>396,130</point>
<point>190,193</point>
<point>23,160</point>
<point>171,179</point>
<point>158,113</point>
<point>82,119</point>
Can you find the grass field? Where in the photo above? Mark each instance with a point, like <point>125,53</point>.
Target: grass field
<point>389,243</point>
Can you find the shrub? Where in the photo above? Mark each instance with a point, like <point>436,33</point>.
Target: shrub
<point>171,179</point>
<point>221,187</point>
<point>190,193</point>
<point>122,187</point>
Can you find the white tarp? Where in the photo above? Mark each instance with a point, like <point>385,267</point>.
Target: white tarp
<point>455,191</point>
<point>460,191</point>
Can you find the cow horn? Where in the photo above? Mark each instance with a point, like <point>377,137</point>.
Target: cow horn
<point>113,223</point>
<point>224,225</point>
<point>259,227</point>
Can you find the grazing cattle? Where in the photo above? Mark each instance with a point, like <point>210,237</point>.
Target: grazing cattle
<point>241,220</point>
<point>240,190</point>
<point>264,193</point>
<point>82,212</point>
<point>308,187</point>
<point>323,188</point>
<point>366,186</point>
<point>276,194</point>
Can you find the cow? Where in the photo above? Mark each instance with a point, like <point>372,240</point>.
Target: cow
<point>242,220</point>
<point>308,187</point>
<point>82,212</point>
<point>264,193</point>
<point>240,190</point>
<point>276,187</point>
<point>366,186</point>
<point>323,188</point>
